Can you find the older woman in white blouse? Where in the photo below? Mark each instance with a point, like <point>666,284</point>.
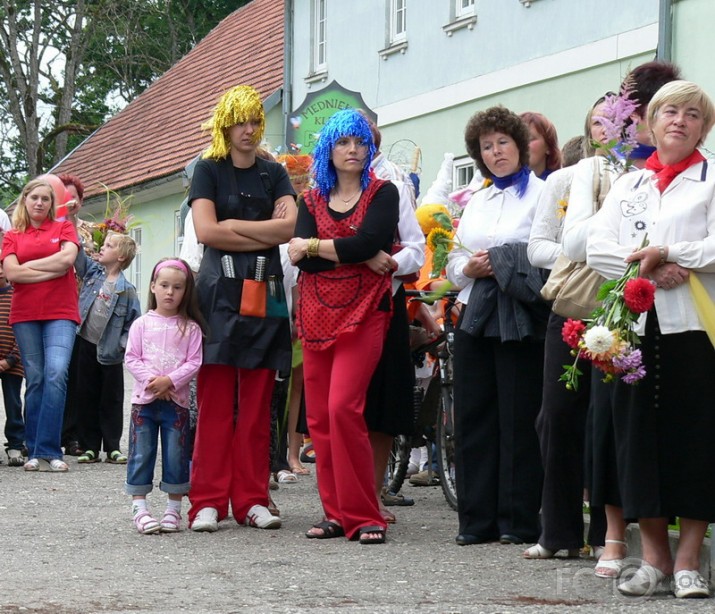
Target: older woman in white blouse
<point>499,346</point>
<point>664,425</point>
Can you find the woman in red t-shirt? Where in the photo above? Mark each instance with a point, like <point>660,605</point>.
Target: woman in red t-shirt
<point>38,256</point>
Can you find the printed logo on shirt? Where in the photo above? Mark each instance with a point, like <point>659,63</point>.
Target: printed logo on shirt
<point>55,240</point>
<point>636,206</point>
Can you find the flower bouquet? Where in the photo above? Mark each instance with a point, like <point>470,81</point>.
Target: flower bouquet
<point>441,241</point>
<point>116,219</point>
<point>607,338</point>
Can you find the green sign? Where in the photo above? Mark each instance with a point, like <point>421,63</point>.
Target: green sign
<point>305,123</point>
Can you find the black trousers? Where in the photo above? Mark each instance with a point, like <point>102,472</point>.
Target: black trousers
<point>561,427</point>
<point>69,421</point>
<point>497,396</point>
<point>100,398</point>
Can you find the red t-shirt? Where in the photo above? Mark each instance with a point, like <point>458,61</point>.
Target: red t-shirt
<point>45,300</point>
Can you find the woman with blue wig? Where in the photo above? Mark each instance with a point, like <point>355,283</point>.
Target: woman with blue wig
<point>345,228</point>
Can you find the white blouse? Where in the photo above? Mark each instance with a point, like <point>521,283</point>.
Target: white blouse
<point>545,238</point>
<point>492,217</point>
<point>682,218</point>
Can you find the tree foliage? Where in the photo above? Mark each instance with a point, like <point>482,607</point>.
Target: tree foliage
<point>67,65</point>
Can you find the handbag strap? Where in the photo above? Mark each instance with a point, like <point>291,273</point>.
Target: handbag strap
<point>601,186</point>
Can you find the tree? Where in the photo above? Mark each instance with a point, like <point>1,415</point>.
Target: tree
<point>67,65</point>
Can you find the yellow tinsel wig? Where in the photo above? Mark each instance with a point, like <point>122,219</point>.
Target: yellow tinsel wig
<point>238,105</point>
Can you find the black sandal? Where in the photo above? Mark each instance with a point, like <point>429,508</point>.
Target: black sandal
<point>366,531</point>
<point>329,529</point>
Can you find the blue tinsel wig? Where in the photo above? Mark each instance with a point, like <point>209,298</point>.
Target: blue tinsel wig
<point>347,122</point>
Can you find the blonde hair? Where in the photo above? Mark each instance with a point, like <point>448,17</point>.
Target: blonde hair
<point>238,105</point>
<point>20,217</point>
<point>126,247</point>
<point>678,93</point>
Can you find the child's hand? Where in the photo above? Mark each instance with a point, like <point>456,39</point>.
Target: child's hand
<point>160,386</point>
<point>4,365</point>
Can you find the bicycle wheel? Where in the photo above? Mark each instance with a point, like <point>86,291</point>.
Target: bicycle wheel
<point>398,462</point>
<point>445,448</point>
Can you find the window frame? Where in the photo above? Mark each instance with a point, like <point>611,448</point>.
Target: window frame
<point>398,13</point>
<point>319,51</point>
<point>463,164</point>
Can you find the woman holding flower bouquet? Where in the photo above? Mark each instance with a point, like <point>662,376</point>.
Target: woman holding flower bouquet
<point>499,344</point>
<point>663,426</point>
<point>593,177</point>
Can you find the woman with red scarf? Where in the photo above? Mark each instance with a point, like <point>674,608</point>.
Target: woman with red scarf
<point>663,426</point>
<point>345,227</point>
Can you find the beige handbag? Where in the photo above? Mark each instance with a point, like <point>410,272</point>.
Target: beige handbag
<point>572,285</point>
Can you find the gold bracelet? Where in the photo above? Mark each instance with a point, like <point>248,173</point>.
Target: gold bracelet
<point>313,247</point>
<point>661,253</point>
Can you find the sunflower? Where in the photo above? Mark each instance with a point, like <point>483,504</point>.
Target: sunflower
<point>439,237</point>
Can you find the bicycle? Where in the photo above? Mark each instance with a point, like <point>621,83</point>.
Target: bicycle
<point>434,408</point>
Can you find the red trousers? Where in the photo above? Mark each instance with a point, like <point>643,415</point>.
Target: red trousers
<point>336,381</point>
<point>231,463</point>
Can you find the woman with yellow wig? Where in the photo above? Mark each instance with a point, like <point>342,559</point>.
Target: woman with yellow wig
<point>243,207</point>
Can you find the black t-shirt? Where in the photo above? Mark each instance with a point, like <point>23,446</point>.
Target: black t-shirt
<point>210,181</point>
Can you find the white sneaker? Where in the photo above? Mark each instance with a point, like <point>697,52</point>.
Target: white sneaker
<point>259,516</point>
<point>206,520</point>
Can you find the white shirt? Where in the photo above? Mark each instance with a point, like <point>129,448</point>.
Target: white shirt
<point>5,224</point>
<point>545,238</point>
<point>412,255</point>
<point>682,218</point>
<point>492,217</point>
<point>191,250</point>
<point>582,206</point>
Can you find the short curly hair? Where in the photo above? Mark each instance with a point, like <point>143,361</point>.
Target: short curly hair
<point>496,119</point>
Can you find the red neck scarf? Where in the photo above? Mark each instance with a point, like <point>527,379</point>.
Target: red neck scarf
<point>665,173</point>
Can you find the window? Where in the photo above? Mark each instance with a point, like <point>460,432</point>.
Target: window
<point>320,62</point>
<point>135,269</point>
<point>463,8</point>
<point>463,172</point>
<point>462,16</point>
<point>398,21</point>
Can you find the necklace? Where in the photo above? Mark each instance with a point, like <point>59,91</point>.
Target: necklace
<point>349,200</point>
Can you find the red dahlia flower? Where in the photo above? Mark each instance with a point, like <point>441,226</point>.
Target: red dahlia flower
<point>638,294</point>
<point>572,331</point>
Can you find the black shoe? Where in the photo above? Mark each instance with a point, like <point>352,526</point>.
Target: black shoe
<point>510,539</point>
<point>72,449</point>
<point>465,539</point>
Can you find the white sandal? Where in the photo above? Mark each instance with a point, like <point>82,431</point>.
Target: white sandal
<point>539,552</point>
<point>610,568</point>
<point>146,524</point>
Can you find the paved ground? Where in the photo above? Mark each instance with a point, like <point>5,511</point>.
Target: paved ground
<point>69,546</point>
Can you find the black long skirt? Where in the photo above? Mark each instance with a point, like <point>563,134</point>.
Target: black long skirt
<point>664,428</point>
<point>389,407</point>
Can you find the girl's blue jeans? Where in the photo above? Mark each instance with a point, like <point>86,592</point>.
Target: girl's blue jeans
<point>46,349</point>
<point>169,421</point>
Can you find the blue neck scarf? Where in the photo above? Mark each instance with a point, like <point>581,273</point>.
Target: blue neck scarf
<point>642,152</point>
<point>520,179</point>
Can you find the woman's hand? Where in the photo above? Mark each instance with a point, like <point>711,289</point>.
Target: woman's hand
<point>669,276</point>
<point>649,257</point>
<point>382,263</point>
<point>478,265</point>
<point>297,249</point>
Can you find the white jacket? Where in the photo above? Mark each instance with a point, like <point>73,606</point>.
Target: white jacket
<point>682,218</point>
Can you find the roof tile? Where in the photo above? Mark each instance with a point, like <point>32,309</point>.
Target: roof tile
<point>159,132</point>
